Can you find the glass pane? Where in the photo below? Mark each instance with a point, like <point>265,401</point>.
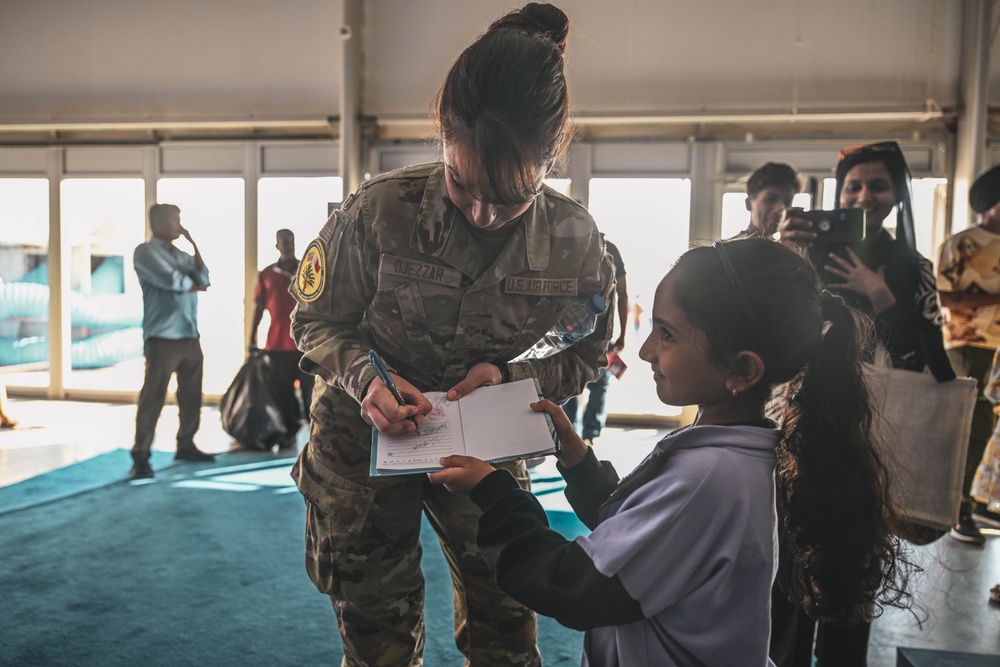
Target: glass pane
<point>104,221</point>
<point>829,192</point>
<point>560,185</point>
<point>301,205</point>
<point>24,295</point>
<point>647,219</point>
<point>735,216</point>
<point>212,210</point>
<point>923,215</point>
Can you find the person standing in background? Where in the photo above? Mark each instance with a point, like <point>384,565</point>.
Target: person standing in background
<point>770,190</point>
<point>595,415</point>
<point>968,280</point>
<point>170,280</point>
<point>636,311</point>
<point>272,295</point>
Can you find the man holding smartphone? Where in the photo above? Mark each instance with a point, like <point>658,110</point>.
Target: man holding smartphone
<point>770,190</point>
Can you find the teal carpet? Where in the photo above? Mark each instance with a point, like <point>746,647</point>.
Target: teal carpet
<point>201,566</point>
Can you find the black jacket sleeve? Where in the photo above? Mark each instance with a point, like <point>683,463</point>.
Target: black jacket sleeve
<point>588,486</point>
<point>538,567</point>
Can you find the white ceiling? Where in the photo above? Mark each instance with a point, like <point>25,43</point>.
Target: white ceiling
<point>98,60</point>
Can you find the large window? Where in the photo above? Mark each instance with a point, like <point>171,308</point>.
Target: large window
<point>24,296</point>
<point>212,210</point>
<point>301,205</point>
<point>103,221</point>
<point>648,220</point>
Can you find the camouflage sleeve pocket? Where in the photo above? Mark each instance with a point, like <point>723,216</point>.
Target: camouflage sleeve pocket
<point>345,503</point>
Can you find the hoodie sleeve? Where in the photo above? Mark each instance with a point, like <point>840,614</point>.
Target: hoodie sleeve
<point>540,568</point>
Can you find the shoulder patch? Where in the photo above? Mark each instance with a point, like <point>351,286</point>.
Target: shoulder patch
<point>311,276</point>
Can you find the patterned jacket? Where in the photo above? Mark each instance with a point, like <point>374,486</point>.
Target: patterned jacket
<point>396,269</point>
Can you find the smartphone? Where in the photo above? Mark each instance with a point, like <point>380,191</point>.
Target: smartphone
<point>841,225</point>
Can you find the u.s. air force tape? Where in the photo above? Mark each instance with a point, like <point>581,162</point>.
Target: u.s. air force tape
<point>540,286</point>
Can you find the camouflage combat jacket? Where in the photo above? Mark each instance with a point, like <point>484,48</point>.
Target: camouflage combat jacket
<point>396,269</point>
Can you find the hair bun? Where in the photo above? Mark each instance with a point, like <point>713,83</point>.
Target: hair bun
<point>538,18</point>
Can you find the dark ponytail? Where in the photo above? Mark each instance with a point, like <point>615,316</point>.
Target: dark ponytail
<point>838,553</point>
<point>504,106</point>
<point>833,486</point>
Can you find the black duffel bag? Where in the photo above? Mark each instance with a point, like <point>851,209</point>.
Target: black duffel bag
<point>248,409</point>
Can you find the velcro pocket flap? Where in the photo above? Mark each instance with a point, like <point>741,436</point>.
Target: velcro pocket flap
<point>344,502</point>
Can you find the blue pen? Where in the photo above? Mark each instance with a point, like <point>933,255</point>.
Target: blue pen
<point>384,374</point>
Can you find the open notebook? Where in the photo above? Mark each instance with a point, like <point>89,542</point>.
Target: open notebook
<point>493,423</point>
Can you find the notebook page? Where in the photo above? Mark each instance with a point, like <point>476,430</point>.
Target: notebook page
<point>440,435</point>
<point>499,424</point>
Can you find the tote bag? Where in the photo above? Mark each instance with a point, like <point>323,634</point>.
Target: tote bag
<point>925,427</point>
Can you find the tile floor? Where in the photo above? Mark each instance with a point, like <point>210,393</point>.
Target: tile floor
<point>951,594</point>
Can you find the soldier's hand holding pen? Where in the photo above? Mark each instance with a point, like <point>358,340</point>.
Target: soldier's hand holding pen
<point>381,409</point>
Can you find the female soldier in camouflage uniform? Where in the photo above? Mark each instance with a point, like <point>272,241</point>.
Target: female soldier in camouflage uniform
<point>449,270</point>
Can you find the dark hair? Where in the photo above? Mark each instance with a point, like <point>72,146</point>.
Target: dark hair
<point>504,106</point>
<point>891,155</point>
<point>160,213</point>
<point>838,551</point>
<point>773,175</point>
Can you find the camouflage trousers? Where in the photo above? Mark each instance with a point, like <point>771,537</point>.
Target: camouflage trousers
<point>363,550</point>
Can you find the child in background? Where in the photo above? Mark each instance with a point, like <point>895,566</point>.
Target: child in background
<point>678,568</point>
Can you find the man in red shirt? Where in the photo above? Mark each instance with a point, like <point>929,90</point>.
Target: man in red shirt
<point>272,295</point>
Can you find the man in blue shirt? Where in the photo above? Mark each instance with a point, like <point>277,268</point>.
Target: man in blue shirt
<point>170,281</point>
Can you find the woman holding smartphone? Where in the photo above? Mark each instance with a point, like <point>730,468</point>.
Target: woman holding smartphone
<point>884,276</point>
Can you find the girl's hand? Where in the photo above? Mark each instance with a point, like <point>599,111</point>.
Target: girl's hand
<point>380,408</point>
<point>574,449</point>
<point>479,375</point>
<point>858,278</point>
<point>461,474</point>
